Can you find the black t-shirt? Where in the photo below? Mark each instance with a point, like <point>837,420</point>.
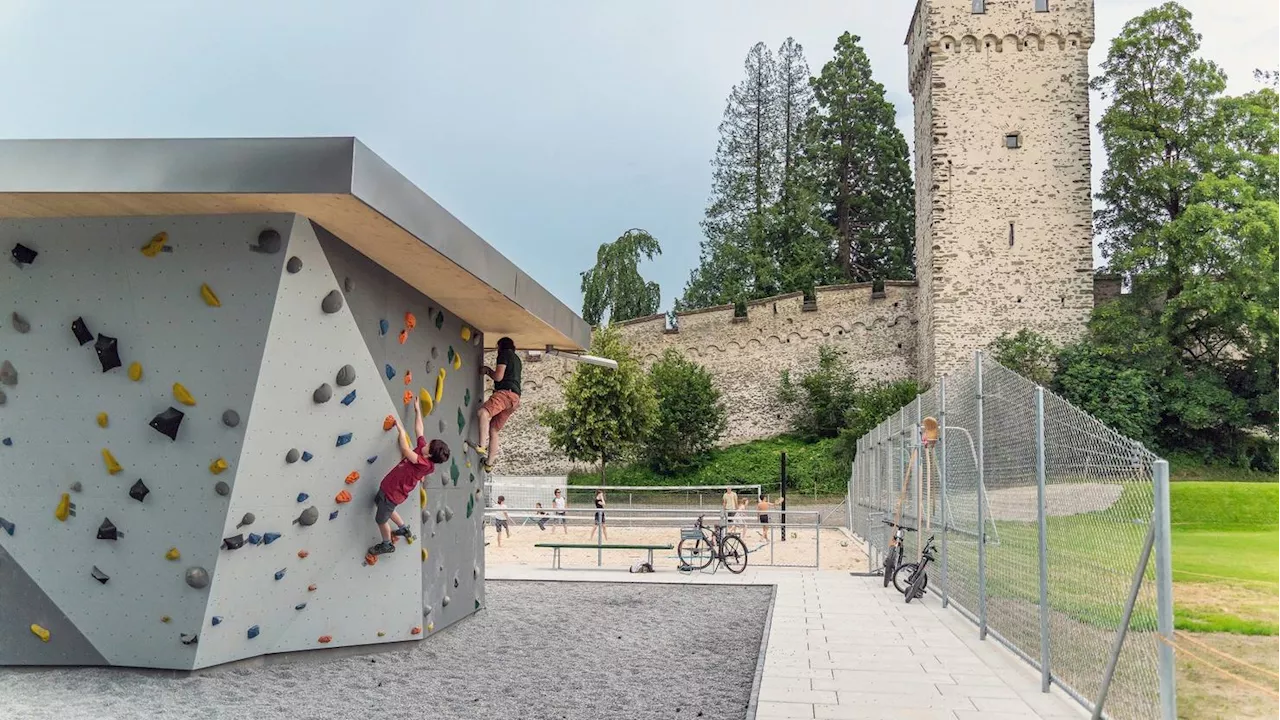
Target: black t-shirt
<point>511,376</point>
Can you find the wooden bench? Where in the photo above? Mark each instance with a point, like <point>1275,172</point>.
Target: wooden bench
<point>557,547</point>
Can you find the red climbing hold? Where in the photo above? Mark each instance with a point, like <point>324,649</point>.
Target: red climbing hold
<point>303,554</point>
<point>311,588</point>
<point>410,322</point>
<point>404,336</point>
<point>417,630</point>
<point>342,497</point>
<point>326,639</point>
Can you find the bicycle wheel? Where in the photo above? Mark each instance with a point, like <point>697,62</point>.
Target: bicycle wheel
<point>890,564</point>
<point>733,552</point>
<point>918,583</point>
<point>695,553</point>
<point>903,575</point>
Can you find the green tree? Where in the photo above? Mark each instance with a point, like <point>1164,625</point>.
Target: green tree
<point>691,418</point>
<point>861,162</point>
<point>1027,353</point>
<point>614,287</point>
<point>607,414</point>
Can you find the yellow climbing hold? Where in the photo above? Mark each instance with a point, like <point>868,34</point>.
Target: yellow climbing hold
<point>64,507</point>
<point>431,626</point>
<point>156,245</point>
<point>164,618</point>
<point>40,632</point>
<point>173,554</point>
<point>466,334</point>
<point>422,497</point>
<point>210,299</point>
<point>102,420</point>
<point>113,467</point>
<point>424,399</point>
<point>217,466</point>
<point>424,554</point>
<point>440,385</point>
<point>135,371</point>
<point>382,633</point>
<point>181,394</point>
<point>457,361</point>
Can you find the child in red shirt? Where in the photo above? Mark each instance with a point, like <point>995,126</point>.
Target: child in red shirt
<point>415,464</point>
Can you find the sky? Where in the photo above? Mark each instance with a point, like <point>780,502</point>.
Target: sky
<point>549,126</point>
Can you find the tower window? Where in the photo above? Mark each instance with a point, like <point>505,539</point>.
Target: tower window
<point>1010,234</point>
<point>1013,141</point>
<point>1042,5</point>
<point>980,6</point>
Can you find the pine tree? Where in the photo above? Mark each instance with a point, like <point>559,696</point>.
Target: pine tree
<point>614,285</point>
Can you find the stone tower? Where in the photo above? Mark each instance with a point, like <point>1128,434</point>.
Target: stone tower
<point>1003,198</point>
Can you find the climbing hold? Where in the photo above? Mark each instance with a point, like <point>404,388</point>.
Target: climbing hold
<point>352,477</point>
<point>40,632</point>
<point>113,467</point>
<point>76,486</point>
<point>442,426</point>
<point>440,385</point>
<point>439,320</point>
<point>268,242</point>
<point>462,421</point>
<point>218,466</point>
<point>431,626</point>
<point>306,456</point>
<point>209,297</point>
<point>410,322</point>
<point>302,497</point>
<point>248,519</point>
<point>439,516</point>
<point>477,604</point>
<point>99,575</point>
<point>299,606</point>
<point>308,517</point>
<point>408,397</point>
<point>108,350</point>
<point>235,542</point>
<point>332,302</point>
<point>333,515</point>
<point>408,377</point>
<point>280,574</point>
<point>383,326</point>
<point>455,358</point>
<point>253,632</point>
<point>453,471</point>
<point>434,352</point>
<point>3,398</point>
<point>216,620</point>
<point>7,526</point>
<point>466,398</point>
<point>108,531</point>
<point>388,422</point>
<point>292,456</point>
<point>254,539</point>
<point>347,285</point>
<point>188,639</point>
<point>341,497</point>
<point>7,442</point>
<point>102,420</point>
<point>65,508</point>
<point>20,323</point>
<point>346,376</point>
<point>343,439</point>
<point>197,577</point>
<point>303,554</point>
<point>371,459</point>
<point>139,491</point>
<point>471,504</point>
<point>382,633</point>
<point>155,245</point>
<point>230,418</point>
<point>222,488</point>
<point>325,639</point>
<point>181,394</point>
<point>311,588</point>
<point>294,265</point>
<point>135,371</point>
<point>8,374</point>
<point>81,331</point>
<point>417,630</point>
<point>424,554</point>
<point>350,398</point>
<point>173,554</point>
<point>444,602</point>
<point>466,334</point>
<point>471,477</point>
<point>425,400</point>
<point>322,394</point>
<point>422,497</point>
<point>167,423</point>
<point>448,513</point>
<point>389,371</point>
<point>268,538</point>
<point>165,618</point>
<point>23,255</point>
<point>404,336</point>
<point>455,582</point>
<point>475,339</point>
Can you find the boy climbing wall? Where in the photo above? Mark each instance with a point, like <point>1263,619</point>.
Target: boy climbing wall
<point>502,404</point>
<point>416,463</point>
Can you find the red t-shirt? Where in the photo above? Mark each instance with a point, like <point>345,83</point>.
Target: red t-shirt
<point>405,476</point>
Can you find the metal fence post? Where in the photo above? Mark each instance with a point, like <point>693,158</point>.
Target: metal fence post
<point>1164,590</point>
<point>982,521</point>
<point>942,483</point>
<point>1044,543</point>
<point>917,436</point>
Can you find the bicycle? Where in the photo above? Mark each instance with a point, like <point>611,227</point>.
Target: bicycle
<point>915,578</point>
<point>699,547</point>
<point>893,558</point>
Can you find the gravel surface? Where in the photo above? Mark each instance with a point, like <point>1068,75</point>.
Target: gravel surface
<point>555,650</point>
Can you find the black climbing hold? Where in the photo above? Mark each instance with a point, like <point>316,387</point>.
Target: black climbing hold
<point>306,456</point>
<point>332,516</point>
<point>8,374</point>
<point>235,542</point>
<point>23,255</point>
<point>346,376</point>
<point>246,520</point>
<point>294,265</point>
<point>217,620</point>
<point>299,606</point>
<point>302,497</point>
<point>99,575</point>
<point>309,516</point>
<point>254,539</point>
<point>222,488</point>
<point>332,302</point>
<point>7,442</point>
<point>188,639</point>
<point>20,323</point>
<point>108,531</point>
<point>230,418</point>
<point>253,632</point>
<point>292,456</point>
<point>343,439</point>
<point>322,394</point>
<point>108,352</point>
<point>347,285</point>
<point>371,460</point>
<point>434,353</point>
<point>350,398</point>
<point>139,491</point>
<point>280,574</point>
<point>383,327</point>
<point>478,607</point>
<point>3,398</point>
<point>455,581</point>
<point>167,423</point>
<point>268,242</point>
<point>197,577</point>
<point>268,538</point>
<point>7,526</point>
<point>81,331</point>
<point>389,371</point>
<point>76,486</point>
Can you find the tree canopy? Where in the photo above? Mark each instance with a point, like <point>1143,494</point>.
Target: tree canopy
<point>613,288</point>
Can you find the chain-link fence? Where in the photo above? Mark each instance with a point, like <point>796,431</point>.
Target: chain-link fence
<point>1052,529</point>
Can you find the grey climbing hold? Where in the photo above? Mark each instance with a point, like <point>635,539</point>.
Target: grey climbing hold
<point>107,531</point>
<point>309,516</point>
<point>476,339</point>
<point>189,639</point>
<point>434,353</point>
<point>8,374</point>
<point>372,459</point>
<point>347,285</point>
<point>294,265</point>
<point>222,488</point>
<point>20,323</point>
<point>350,398</point>
<point>7,526</point>
<point>292,456</point>
<point>139,491</point>
<point>248,519</point>
<point>76,486</point>
<point>280,574</point>
<point>268,242</point>
<point>346,376</point>
<point>197,577</point>
<point>439,516</point>
<point>322,394</point>
<point>7,442</point>
<point>343,439</point>
<point>445,601</point>
<point>299,606</point>
<point>448,513</point>
<point>81,331</point>
<point>332,302</point>
<point>230,418</point>
<point>3,398</point>
<point>108,350</point>
<point>253,632</point>
<point>268,538</point>
<point>99,575</point>
<point>235,542</point>
<point>442,426</point>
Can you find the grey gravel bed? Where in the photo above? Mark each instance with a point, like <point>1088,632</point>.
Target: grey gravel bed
<point>554,650</point>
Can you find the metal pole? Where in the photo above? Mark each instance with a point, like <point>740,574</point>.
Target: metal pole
<point>784,497</point>
<point>982,521</point>
<point>1044,543</point>
<point>1121,632</point>
<point>917,433</point>
<point>1164,590</point>
<point>817,541</point>
<point>942,483</point>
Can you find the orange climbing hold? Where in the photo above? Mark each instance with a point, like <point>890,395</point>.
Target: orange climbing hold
<point>342,497</point>
<point>326,639</point>
<point>417,630</point>
<point>404,336</point>
<point>410,322</point>
<point>388,422</point>
<point>113,467</point>
<point>408,396</point>
<point>408,377</point>
<point>40,632</point>
<point>352,477</point>
<point>303,554</point>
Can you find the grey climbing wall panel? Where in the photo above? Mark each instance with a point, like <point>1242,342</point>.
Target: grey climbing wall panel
<point>23,604</point>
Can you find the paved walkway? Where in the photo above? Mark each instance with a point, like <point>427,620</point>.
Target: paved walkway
<point>844,648</point>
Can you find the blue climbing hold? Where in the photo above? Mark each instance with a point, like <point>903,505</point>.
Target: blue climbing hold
<point>253,632</point>
<point>343,439</point>
<point>280,574</point>
<point>7,526</point>
<point>306,456</point>
<point>350,398</point>
<point>8,442</point>
<point>302,497</point>
<point>390,371</point>
<point>299,606</point>
<point>254,538</point>
<point>217,620</point>
<point>371,460</point>
<point>383,326</point>
<point>269,538</point>
<point>332,516</point>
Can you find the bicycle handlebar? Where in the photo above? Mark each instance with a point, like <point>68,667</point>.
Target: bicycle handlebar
<point>894,524</point>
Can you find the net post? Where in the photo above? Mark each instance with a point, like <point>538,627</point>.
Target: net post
<point>784,497</point>
<point>917,442</point>
<point>982,521</point>
<point>1044,543</point>
<point>942,482</point>
<point>1164,590</point>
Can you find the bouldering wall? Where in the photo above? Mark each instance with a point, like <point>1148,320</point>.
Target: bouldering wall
<point>156,373</point>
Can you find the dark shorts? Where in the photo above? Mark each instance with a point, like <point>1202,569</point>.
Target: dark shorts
<point>562,519</point>
<point>500,524</point>
<point>764,518</point>
<point>385,508</point>
<point>599,517</point>
<point>732,513</point>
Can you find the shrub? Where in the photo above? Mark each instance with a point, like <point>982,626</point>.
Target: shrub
<point>690,419</point>
<point>1124,398</point>
<point>1027,353</point>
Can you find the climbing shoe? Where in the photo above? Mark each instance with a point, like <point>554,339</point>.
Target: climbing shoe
<point>382,548</point>
<point>404,532</point>
<point>486,465</point>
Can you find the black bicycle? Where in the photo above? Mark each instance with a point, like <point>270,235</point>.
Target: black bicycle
<point>699,547</point>
<point>893,558</point>
<point>913,578</point>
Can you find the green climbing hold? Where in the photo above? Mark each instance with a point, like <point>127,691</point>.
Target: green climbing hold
<point>471,477</point>
<point>462,421</point>
<point>466,398</point>
<point>453,471</point>
<point>450,354</point>
<point>439,320</point>
<point>471,505</point>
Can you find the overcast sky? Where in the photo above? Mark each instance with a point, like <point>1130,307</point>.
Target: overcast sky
<point>548,126</point>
